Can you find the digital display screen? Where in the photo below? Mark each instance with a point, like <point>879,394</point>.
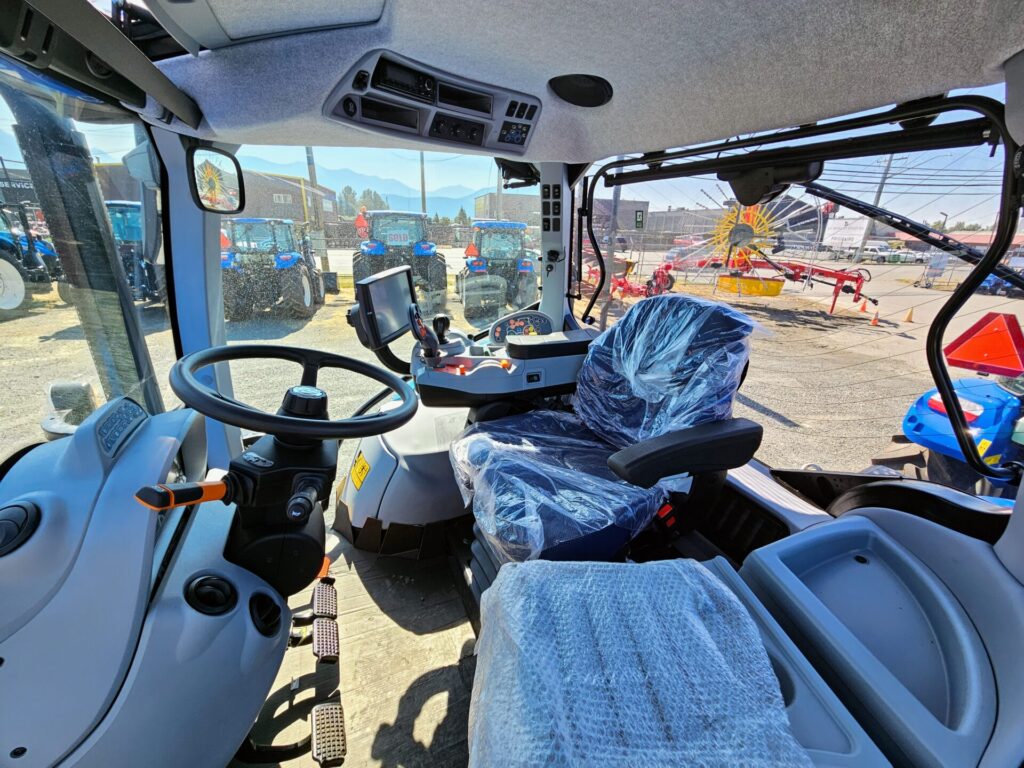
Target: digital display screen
<point>389,294</point>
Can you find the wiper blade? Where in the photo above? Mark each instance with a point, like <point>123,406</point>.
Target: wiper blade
<point>913,228</point>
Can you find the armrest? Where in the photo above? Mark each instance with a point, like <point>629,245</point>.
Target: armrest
<point>711,447</point>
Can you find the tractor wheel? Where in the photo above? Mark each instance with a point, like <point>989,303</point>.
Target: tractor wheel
<point>297,296</point>
<point>66,292</point>
<point>361,269</point>
<point>12,284</point>
<point>434,291</point>
<point>238,302</point>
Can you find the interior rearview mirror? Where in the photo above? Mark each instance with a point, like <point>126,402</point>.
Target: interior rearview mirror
<point>216,180</point>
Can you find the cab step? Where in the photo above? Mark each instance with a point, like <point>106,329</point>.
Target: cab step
<point>325,599</point>
<point>327,723</point>
<point>325,641</point>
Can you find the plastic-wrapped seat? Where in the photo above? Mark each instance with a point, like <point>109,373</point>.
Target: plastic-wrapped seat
<point>539,483</point>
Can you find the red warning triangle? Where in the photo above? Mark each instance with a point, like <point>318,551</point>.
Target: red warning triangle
<point>994,344</point>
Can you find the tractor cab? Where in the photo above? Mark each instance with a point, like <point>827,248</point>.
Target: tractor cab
<point>583,505</point>
<point>394,238</point>
<point>500,272</point>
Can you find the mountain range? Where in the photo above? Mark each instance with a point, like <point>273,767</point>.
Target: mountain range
<point>444,201</point>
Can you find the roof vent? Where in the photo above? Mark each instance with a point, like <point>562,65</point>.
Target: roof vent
<point>582,90</point>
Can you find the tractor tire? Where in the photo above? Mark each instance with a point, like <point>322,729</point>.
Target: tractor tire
<point>238,304</point>
<point>12,284</point>
<point>297,292</point>
<point>434,291</point>
<point>361,269</point>
<point>66,292</point>
<point>652,286</point>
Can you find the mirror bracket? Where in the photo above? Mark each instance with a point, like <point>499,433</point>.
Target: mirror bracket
<point>762,185</point>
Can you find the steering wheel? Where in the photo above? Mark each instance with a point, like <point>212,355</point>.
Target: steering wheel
<point>212,403</point>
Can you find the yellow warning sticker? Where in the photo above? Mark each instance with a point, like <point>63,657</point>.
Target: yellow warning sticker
<point>983,445</point>
<point>360,469</point>
<point>993,460</point>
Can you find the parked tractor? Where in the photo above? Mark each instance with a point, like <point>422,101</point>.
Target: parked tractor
<point>399,238</point>
<point>145,277</point>
<point>500,271</point>
<point>28,264</point>
<point>266,265</point>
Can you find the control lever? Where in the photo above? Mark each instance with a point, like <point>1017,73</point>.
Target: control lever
<point>424,335</point>
<point>441,323</point>
<point>168,496</point>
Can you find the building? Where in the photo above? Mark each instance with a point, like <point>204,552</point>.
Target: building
<point>277,196</point>
<point>16,185</point>
<point>514,207</point>
<point>626,219</point>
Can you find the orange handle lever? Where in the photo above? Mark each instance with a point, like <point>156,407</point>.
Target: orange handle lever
<point>163,497</point>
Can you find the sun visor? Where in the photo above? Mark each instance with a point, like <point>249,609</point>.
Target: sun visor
<point>1014,71</point>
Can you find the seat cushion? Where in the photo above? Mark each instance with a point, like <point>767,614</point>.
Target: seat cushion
<point>671,362</point>
<point>540,486</point>
<point>623,664</point>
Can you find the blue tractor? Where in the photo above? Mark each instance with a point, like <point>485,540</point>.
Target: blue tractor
<point>500,271</point>
<point>28,264</point>
<point>264,265</point>
<point>145,276</point>
<point>399,238</point>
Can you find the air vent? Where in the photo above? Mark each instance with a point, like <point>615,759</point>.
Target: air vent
<point>266,614</point>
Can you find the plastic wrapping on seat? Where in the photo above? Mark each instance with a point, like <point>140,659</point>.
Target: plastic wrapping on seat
<point>669,363</point>
<point>542,479</point>
<point>607,664</point>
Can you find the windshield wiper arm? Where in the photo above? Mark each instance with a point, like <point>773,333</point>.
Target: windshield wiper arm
<point>913,228</point>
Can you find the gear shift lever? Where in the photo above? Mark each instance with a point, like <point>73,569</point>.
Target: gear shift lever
<point>441,325</point>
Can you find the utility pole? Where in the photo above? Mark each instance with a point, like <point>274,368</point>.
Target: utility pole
<point>423,184</point>
<point>878,198</point>
<point>318,217</point>
<point>499,213</point>
<point>945,218</point>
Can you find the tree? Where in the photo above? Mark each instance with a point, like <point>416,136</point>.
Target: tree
<point>462,217</point>
<point>445,221</point>
<point>349,206</point>
<point>373,201</point>
<point>437,218</point>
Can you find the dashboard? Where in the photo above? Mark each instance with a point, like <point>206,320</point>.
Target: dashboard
<point>526,323</point>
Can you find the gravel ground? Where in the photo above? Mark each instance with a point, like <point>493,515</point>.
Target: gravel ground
<point>829,389</point>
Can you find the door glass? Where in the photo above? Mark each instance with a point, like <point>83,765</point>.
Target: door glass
<point>82,273</point>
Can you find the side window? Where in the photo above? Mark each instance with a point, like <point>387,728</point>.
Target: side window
<point>284,237</point>
<point>82,273</point>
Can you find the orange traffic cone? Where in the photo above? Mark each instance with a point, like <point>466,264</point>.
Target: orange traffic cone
<point>909,317</point>
<point>874,320</point>
<point>864,306</point>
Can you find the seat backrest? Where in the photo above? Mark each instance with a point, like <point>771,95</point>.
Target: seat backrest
<point>671,362</point>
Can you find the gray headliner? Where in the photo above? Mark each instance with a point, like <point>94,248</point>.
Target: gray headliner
<point>683,72</point>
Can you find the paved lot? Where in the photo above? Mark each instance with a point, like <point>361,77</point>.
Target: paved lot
<point>828,389</point>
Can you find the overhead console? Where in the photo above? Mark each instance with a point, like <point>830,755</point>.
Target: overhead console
<point>391,94</point>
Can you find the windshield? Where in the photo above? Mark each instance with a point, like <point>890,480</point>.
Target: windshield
<point>397,230</point>
<point>498,244</point>
<point>251,237</point>
<point>838,373</point>
<point>126,221</point>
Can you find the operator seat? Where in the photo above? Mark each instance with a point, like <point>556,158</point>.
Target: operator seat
<point>540,483</point>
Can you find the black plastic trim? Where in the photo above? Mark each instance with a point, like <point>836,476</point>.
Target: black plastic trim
<point>948,507</point>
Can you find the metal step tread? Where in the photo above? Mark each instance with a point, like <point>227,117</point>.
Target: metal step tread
<point>327,724</point>
<point>325,641</point>
<point>325,600</point>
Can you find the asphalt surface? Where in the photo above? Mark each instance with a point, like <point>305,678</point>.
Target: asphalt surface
<point>829,389</point>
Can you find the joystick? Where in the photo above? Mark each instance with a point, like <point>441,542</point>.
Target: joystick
<point>424,335</point>
<point>441,325</point>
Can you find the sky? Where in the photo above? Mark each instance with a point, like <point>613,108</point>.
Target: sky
<point>961,183</point>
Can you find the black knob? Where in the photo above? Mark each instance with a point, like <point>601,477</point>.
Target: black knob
<point>305,402</point>
<point>302,504</point>
<point>349,106</point>
<point>441,325</point>
<point>211,595</point>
